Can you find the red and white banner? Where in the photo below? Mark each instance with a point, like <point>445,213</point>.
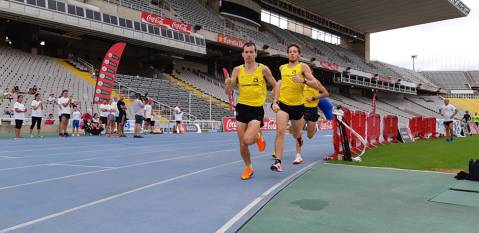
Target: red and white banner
<point>231,100</point>
<point>165,23</point>
<point>325,125</point>
<point>329,66</point>
<point>106,79</point>
<point>231,41</point>
<point>229,124</point>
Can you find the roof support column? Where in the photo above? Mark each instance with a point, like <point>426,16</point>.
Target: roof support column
<point>367,47</point>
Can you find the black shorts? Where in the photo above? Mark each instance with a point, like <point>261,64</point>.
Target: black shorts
<point>295,112</point>
<point>103,120</point>
<point>447,123</point>
<point>245,113</point>
<point>121,118</point>
<point>311,114</point>
<point>67,116</point>
<point>37,121</point>
<point>60,118</point>
<point>148,120</point>
<point>178,122</point>
<point>139,119</point>
<point>18,124</point>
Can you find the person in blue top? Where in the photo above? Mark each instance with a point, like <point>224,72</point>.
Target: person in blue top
<point>326,107</point>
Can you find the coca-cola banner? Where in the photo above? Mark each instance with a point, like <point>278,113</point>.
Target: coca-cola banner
<point>165,23</point>
<point>231,41</point>
<point>229,124</point>
<point>325,125</point>
<point>106,78</point>
<point>329,66</point>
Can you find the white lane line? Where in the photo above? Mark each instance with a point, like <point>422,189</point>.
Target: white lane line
<point>256,201</point>
<point>58,214</point>
<point>48,147</point>
<point>8,157</point>
<point>45,218</point>
<point>103,170</point>
<point>74,165</point>
<point>106,157</point>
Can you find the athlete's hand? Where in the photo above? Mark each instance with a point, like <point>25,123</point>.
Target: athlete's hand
<point>310,100</point>
<point>298,79</point>
<point>275,107</point>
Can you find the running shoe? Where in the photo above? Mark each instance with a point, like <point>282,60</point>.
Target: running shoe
<point>138,136</point>
<point>261,143</point>
<point>298,160</point>
<point>247,173</point>
<point>276,166</point>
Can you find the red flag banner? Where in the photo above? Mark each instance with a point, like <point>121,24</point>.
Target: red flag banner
<point>230,95</point>
<point>165,23</point>
<point>106,79</point>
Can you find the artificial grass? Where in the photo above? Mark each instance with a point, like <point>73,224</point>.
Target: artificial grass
<point>433,154</point>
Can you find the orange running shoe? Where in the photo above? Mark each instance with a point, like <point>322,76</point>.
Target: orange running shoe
<point>247,173</point>
<point>261,143</point>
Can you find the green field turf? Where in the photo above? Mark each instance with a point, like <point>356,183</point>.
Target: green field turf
<point>435,155</point>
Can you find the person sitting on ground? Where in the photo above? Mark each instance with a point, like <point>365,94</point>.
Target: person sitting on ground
<point>50,120</point>
<point>8,113</point>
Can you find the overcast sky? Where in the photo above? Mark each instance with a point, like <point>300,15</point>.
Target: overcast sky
<point>445,45</point>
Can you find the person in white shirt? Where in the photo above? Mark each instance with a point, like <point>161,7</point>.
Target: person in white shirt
<point>148,110</point>
<point>178,117</point>
<point>37,114</point>
<point>104,112</point>
<point>19,110</point>
<point>76,117</point>
<point>65,110</point>
<point>448,111</point>
<point>110,126</point>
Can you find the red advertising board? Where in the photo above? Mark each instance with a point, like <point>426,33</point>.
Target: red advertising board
<point>329,66</point>
<point>165,23</point>
<point>229,124</point>
<point>231,41</point>
<point>106,78</point>
<point>325,125</point>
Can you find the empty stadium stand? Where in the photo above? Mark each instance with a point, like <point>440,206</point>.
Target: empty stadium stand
<point>167,92</point>
<point>450,80</point>
<point>24,70</point>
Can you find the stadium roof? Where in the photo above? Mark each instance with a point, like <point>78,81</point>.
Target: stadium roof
<point>381,15</point>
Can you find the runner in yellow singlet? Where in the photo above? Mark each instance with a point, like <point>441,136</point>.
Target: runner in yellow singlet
<point>311,116</point>
<point>251,79</point>
<point>289,100</point>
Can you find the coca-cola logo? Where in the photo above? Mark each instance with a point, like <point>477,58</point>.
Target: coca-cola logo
<point>155,19</point>
<point>269,125</point>
<point>230,124</point>
<point>179,26</point>
<point>325,125</point>
<point>164,22</point>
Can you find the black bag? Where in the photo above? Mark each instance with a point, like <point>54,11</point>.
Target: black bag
<point>474,169</point>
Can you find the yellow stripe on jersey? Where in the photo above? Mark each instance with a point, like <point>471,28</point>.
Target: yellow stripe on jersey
<point>310,92</point>
<point>291,93</point>
<point>252,87</point>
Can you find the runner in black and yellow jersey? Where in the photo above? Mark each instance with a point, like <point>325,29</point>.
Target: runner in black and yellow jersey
<point>289,100</point>
<point>251,80</point>
<point>311,100</point>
